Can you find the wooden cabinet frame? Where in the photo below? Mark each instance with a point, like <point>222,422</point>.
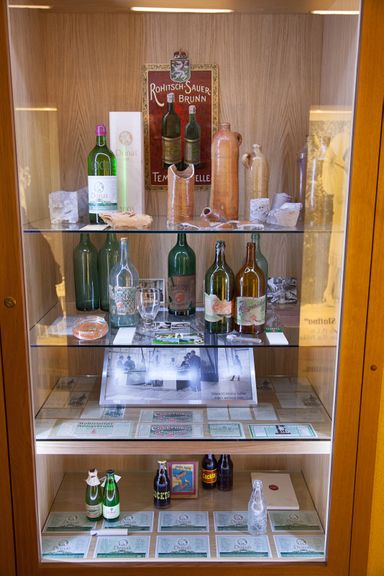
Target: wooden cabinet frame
<point>363,198</point>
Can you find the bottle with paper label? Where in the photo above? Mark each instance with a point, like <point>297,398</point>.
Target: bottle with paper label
<point>111,497</point>
<point>181,278</point>
<point>219,293</point>
<point>162,486</point>
<point>123,284</point>
<point>209,472</point>
<point>93,496</point>
<point>102,179</point>
<point>250,295</point>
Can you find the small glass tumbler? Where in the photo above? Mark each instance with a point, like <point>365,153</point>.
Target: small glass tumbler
<point>148,305</point>
<point>257,510</point>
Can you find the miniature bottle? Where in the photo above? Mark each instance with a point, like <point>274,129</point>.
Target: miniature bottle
<point>224,197</point>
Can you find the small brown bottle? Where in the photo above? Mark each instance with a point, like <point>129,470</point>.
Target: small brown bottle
<point>225,473</point>
<point>209,472</point>
<point>250,295</point>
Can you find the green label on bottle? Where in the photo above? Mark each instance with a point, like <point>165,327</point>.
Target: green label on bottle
<point>122,300</point>
<point>182,292</point>
<point>102,194</point>
<point>171,150</point>
<point>216,309</point>
<point>250,311</point>
<point>192,151</point>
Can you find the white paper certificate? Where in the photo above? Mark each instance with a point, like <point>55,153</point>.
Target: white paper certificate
<point>282,431</point>
<point>122,547</point>
<point>183,521</point>
<point>171,416</point>
<point>94,429</point>
<point>182,547</point>
<point>133,521</point>
<point>297,521</point>
<point>243,546</point>
<point>94,410</point>
<point>169,431</point>
<point>68,522</point>
<point>300,545</point>
<point>236,521</point>
<point>65,546</point>
<point>226,429</point>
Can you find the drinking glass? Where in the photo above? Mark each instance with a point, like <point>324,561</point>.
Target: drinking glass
<point>148,304</point>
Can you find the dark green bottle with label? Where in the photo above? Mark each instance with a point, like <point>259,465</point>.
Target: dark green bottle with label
<point>93,496</point>
<point>111,497</point>
<point>86,275</point>
<point>108,257</point>
<point>181,278</point>
<point>219,294</point>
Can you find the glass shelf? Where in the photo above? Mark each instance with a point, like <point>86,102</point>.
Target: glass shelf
<point>159,225</point>
<point>55,329</point>
<point>287,411</point>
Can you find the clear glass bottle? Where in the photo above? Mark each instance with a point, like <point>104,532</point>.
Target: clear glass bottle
<point>219,293</point>
<point>123,283</point>
<point>256,179</point>
<point>111,497</point>
<point>192,135</point>
<point>102,179</point>
<point>171,135</point>
<point>250,295</point>
<point>108,257</point>
<point>93,496</point>
<point>262,263</point>
<point>181,278</point>
<point>85,273</point>
<point>162,486</point>
<point>257,510</point>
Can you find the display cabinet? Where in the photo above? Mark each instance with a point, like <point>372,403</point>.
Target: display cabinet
<point>288,405</point>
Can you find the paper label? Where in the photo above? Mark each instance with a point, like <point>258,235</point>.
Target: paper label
<point>171,150</point>
<point>123,300</point>
<point>216,309</point>
<point>102,193</point>
<point>111,512</point>
<point>94,511</point>
<point>182,292</point>
<point>209,476</point>
<point>192,151</point>
<point>250,311</point>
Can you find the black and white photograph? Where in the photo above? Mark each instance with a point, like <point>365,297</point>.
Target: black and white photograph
<point>158,283</point>
<point>178,376</point>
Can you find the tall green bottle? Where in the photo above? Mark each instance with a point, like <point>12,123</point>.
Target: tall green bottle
<point>219,293</point>
<point>181,278</point>
<point>111,497</point>
<point>93,496</point>
<point>192,139</point>
<point>262,263</point>
<point>102,179</point>
<point>108,257</point>
<point>171,135</point>
<point>85,272</point>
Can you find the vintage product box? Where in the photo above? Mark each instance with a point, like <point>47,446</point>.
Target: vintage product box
<point>127,143</point>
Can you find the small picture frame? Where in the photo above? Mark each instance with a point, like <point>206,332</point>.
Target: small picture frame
<point>155,283</point>
<point>184,478</point>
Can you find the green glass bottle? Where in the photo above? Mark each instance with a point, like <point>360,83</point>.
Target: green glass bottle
<point>219,293</point>
<point>192,139</point>
<point>181,278</point>
<point>108,257</point>
<point>85,272</point>
<point>262,263</point>
<point>102,179</point>
<point>111,497</point>
<point>171,135</point>
<point>250,295</point>
<point>93,496</point>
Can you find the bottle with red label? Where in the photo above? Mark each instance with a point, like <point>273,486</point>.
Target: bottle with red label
<point>181,278</point>
<point>209,472</point>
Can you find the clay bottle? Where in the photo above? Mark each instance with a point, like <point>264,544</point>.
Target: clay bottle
<point>225,172</point>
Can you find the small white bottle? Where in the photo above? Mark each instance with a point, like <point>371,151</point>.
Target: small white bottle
<point>257,510</point>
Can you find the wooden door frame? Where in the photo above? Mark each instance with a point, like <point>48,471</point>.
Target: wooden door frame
<point>356,289</point>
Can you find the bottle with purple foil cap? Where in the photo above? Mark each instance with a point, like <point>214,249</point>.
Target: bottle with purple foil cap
<point>102,179</point>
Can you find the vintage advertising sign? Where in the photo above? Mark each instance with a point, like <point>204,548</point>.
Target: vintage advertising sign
<point>200,90</point>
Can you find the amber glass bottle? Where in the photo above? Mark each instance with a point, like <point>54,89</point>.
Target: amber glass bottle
<point>250,295</point>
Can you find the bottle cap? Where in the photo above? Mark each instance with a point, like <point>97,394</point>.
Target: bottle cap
<point>162,462</point>
<point>110,472</point>
<point>192,109</point>
<point>170,97</point>
<point>101,130</point>
<point>225,125</point>
<point>220,244</point>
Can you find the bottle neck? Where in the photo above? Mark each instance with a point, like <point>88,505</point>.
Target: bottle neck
<point>101,140</point>
<point>256,241</point>
<point>182,239</point>
<point>220,256</point>
<point>251,255</point>
<point>123,252</point>
<point>192,118</point>
<point>111,239</point>
<point>171,107</point>
<point>84,238</point>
